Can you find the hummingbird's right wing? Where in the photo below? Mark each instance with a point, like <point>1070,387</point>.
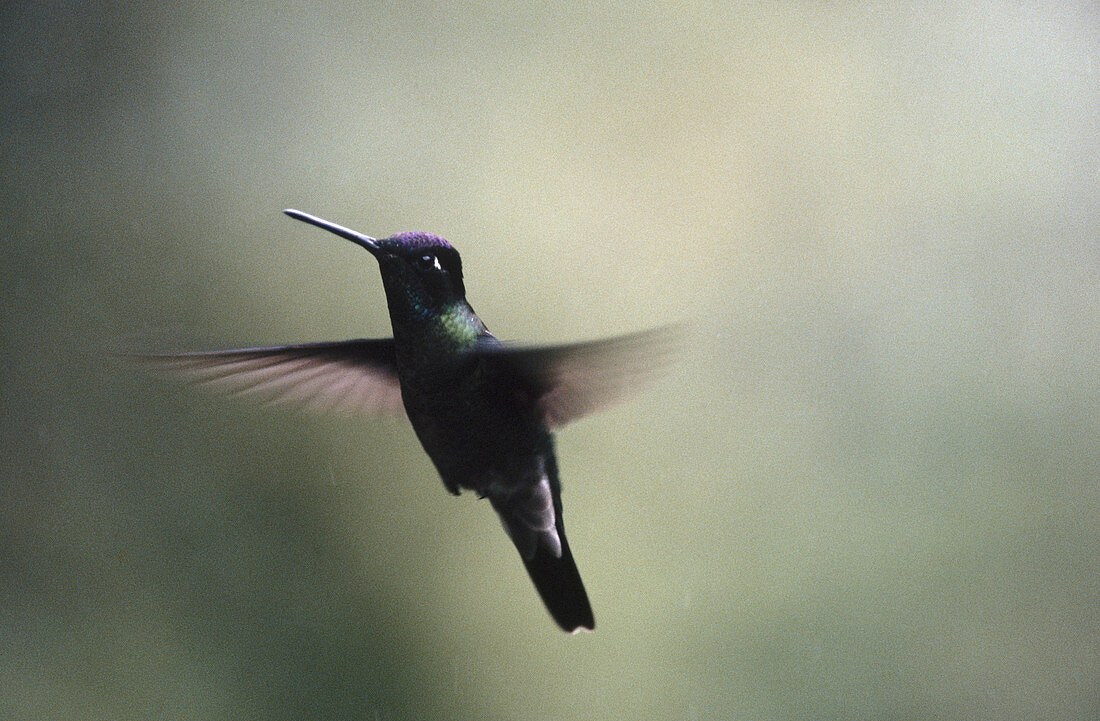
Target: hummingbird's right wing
<point>353,375</point>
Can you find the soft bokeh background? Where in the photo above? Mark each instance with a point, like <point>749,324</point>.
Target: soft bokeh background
<point>868,490</point>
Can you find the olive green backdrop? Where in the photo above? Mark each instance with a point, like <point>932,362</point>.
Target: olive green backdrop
<point>868,490</point>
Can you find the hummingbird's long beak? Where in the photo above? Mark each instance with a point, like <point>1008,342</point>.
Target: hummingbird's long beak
<point>358,238</point>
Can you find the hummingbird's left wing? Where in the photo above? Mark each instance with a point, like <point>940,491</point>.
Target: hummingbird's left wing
<point>570,381</point>
<point>354,375</point>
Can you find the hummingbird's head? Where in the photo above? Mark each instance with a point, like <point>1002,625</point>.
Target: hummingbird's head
<point>424,268</point>
<point>421,272</point>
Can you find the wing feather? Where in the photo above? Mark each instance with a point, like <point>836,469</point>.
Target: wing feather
<point>573,380</point>
<point>353,375</point>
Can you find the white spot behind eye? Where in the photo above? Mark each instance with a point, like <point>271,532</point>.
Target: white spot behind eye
<point>430,260</point>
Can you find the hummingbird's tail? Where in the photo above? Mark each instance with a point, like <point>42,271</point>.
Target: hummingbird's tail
<point>545,552</point>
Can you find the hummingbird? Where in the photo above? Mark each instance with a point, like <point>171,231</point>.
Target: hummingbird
<point>484,411</point>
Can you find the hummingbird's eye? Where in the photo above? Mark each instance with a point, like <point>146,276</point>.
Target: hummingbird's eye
<point>429,261</point>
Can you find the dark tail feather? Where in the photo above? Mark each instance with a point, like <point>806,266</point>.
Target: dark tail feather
<point>556,578</point>
<point>559,584</point>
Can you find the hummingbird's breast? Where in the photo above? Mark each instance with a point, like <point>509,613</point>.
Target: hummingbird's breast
<point>479,427</point>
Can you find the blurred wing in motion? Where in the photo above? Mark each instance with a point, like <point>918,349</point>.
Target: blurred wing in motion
<point>574,380</point>
<point>350,375</point>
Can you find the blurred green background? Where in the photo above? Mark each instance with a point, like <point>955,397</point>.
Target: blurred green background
<point>868,490</point>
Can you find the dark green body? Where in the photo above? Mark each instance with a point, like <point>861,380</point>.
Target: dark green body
<point>478,417</point>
